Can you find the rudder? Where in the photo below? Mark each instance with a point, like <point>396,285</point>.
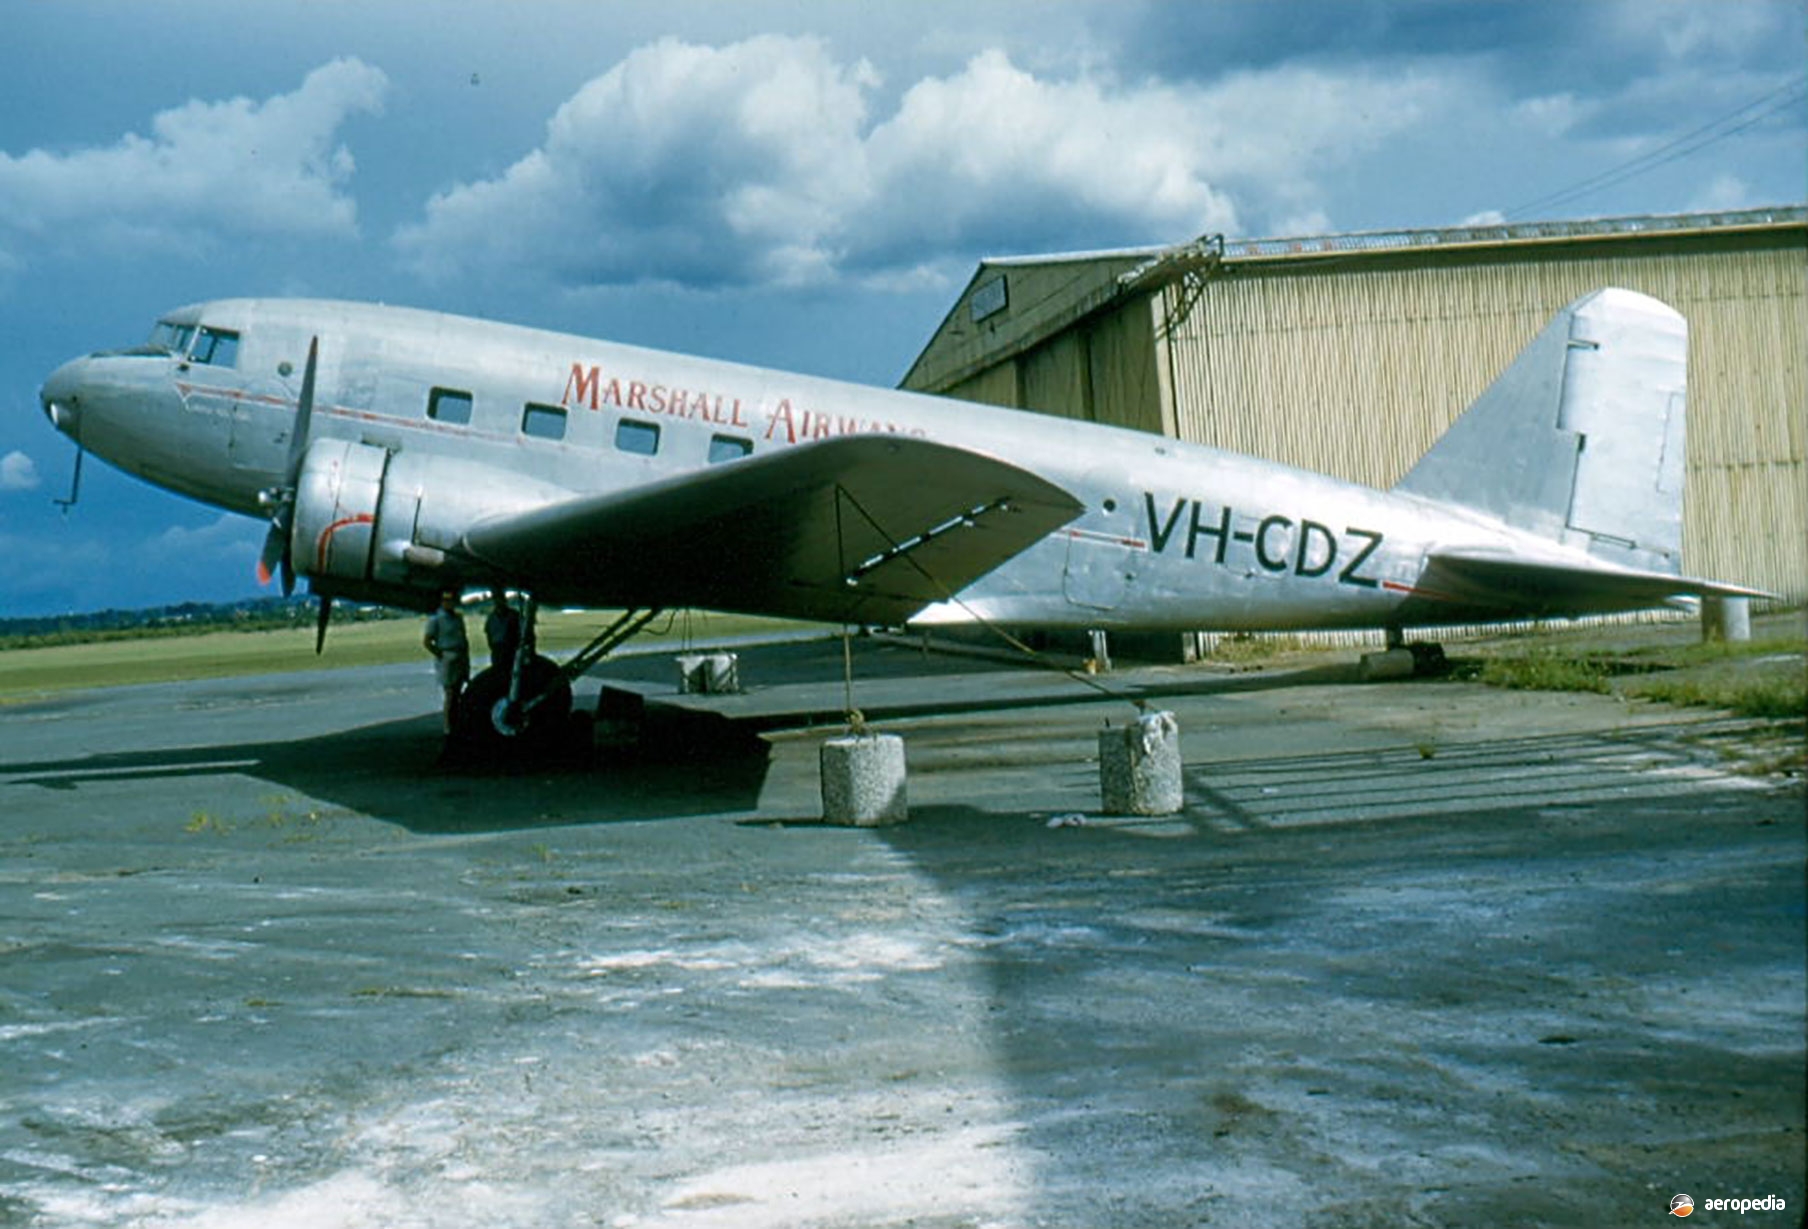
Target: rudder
<point>1581,439</point>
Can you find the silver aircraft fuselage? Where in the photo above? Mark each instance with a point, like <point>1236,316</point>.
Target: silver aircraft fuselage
<point>475,421</point>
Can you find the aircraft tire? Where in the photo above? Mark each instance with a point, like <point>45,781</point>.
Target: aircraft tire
<point>545,724</point>
<point>1428,659</point>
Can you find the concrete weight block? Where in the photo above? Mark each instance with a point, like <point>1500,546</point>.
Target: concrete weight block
<point>708,674</point>
<point>1392,664</point>
<point>1139,767</point>
<point>863,780</point>
<point>1726,620</point>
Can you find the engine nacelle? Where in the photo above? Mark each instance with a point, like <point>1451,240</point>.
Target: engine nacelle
<point>368,519</point>
<point>337,506</point>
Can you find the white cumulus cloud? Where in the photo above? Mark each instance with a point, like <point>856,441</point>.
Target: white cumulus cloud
<point>18,472</point>
<point>227,539</point>
<point>995,154</point>
<point>757,163</point>
<point>241,165</point>
<point>682,163</point>
<point>1723,192</point>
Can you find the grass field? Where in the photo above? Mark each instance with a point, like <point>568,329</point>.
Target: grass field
<point>1765,677</point>
<point>27,674</point>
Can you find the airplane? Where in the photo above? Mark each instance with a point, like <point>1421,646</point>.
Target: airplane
<point>397,453</point>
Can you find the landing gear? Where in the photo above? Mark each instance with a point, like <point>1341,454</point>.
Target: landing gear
<point>527,710</point>
<point>1428,658</point>
<point>486,716</point>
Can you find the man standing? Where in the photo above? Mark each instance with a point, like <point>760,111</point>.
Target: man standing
<point>445,639</point>
<point>503,632</point>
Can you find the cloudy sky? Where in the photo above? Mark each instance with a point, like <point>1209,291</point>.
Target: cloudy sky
<point>799,184</point>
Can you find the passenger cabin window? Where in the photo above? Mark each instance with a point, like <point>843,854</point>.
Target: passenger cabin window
<point>545,422</point>
<point>448,405</point>
<point>728,448</point>
<point>641,438</point>
<point>216,348</point>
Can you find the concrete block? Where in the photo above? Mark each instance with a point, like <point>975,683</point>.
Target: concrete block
<point>863,780</point>
<point>1726,619</point>
<point>708,674</point>
<point>1391,664</point>
<point>1139,767</point>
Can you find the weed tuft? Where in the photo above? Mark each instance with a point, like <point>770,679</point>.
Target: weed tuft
<point>1248,647</point>
<point>1547,671</point>
<point>1773,697</point>
<point>206,821</point>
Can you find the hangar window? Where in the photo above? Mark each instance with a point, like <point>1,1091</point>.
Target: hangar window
<point>545,422</point>
<point>449,405</point>
<point>641,438</point>
<point>728,448</point>
<point>989,299</point>
<point>216,348</point>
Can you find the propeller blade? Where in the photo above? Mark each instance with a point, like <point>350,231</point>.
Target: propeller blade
<point>275,558</point>
<point>304,415</point>
<point>320,622</point>
<point>276,549</point>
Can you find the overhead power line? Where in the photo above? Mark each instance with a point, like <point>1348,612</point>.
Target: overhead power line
<point>1790,93</point>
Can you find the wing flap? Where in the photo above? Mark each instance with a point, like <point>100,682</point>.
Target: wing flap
<point>863,529</point>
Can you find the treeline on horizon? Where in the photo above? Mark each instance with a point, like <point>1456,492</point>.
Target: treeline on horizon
<point>186,619</point>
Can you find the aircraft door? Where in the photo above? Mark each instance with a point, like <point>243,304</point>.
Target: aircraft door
<point>337,501</point>
<point>1100,569</point>
<point>262,416</point>
<point>259,434</point>
<point>255,434</point>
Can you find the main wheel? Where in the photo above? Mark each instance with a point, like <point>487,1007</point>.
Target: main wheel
<point>486,719</point>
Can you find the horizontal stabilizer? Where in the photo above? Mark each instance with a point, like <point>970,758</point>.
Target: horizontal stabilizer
<point>1507,585</point>
<point>862,529</point>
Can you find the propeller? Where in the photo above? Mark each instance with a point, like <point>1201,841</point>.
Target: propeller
<point>282,514</point>
<point>320,622</point>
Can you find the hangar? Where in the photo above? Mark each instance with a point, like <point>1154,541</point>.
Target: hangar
<point>1350,354</point>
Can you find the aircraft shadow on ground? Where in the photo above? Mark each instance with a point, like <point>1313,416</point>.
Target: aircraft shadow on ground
<point>699,762</point>
<point>827,713</point>
<point>392,772</point>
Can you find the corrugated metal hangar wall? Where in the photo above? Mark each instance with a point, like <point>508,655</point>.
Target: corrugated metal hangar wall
<point>1352,354</point>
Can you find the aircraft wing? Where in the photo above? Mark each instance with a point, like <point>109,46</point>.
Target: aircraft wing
<point>1499,581</point>
<point>859,529</point>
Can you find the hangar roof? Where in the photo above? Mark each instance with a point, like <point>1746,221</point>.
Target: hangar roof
<point>1013,303</point>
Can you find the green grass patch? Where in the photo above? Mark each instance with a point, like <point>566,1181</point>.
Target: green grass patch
<point>1765,678</point>
<point>1547,670</point>
<point>1704,653</point>
<point>1774,697</point>
<point>1244,648</point>
<point>116,663</point>
<point>33,673</point>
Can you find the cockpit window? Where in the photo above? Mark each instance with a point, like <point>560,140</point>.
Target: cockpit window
<point>173,337</point>
<point>216,348</point>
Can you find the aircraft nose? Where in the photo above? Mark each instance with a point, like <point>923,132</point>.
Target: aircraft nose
<point>61,395</point>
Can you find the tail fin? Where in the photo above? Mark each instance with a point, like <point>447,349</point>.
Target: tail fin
<point>1581,439</point>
